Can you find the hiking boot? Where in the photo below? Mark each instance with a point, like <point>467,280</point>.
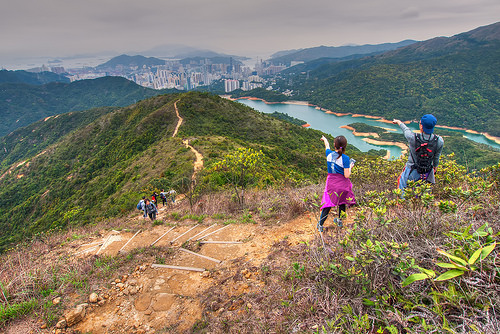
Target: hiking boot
<point>320,227</point>
<point>338,221</point>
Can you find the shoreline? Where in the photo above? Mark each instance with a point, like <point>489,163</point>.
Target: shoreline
<point>360,134</point>
<point>376,118</point>
<point>387,155</point>
<point>402,146</point>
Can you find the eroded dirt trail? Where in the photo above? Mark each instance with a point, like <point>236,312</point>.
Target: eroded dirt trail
<point>179,117</point>
<point>152,299</point>
<point>198,164</point>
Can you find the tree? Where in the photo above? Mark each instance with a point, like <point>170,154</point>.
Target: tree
<point>241,169</point>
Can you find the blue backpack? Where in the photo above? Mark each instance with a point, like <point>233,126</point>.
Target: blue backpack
<point>139,205</point>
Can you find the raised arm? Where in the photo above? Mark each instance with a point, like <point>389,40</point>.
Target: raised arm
<point>406,131</point>
<point>327,144</point>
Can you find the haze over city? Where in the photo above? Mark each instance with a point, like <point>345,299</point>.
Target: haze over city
<point>58,28</point>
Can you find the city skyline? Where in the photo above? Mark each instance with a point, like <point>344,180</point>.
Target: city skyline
<point>59,28</point>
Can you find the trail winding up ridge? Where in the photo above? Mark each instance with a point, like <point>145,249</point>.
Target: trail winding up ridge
<point>198,164</point>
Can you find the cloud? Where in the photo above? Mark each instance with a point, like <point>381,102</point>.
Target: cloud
<point>63,27</point>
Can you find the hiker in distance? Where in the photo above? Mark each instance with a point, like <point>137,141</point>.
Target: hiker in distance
<point>142,206</point>
<point>150,209</point>
<point>163,196</point>
<point>424,152</point>
<point>172,195</point>
<point>338,188</point>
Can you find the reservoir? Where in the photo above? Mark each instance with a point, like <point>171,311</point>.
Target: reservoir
<point>331,124</point>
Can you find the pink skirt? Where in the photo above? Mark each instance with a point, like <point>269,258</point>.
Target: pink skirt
<point>338,190</point>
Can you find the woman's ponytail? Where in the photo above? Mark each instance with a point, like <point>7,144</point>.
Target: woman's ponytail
<point>340,144</point>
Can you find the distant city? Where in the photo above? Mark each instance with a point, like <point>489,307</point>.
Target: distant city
<point>182,74</point>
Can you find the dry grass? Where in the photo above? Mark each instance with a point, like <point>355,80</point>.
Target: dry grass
<point>266,205</point>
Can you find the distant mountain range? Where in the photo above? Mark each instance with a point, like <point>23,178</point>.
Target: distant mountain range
<point>454,78</point>
<point>30,78</point>
<point>127,61</point>
<point>305,55</point>
<point>178,51</point>
<point>22,104</point>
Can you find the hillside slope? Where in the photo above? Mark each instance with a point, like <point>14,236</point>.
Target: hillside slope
<point>22,104</point>
<point>99,169</point>
<point>30,78</point>
<point>454,78</point>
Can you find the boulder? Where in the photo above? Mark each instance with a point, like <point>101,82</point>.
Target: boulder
<point>93,298</point>
<point>61,323</point>
<point>75,315</point>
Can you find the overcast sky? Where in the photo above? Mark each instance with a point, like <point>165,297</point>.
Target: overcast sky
<point>57,28</point>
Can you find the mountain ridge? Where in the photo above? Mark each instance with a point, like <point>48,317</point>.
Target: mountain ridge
<point>454,77</point>
<point>22,104</point>
<point>322,51</point>
<point>30,78</point>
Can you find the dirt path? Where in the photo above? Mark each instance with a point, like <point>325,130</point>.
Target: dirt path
<point>198,164</point>
<point>152,299</point>
<point>179,117</point>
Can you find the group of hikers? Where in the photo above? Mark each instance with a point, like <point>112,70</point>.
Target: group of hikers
<point>425,149</point>
<point>149,207</point>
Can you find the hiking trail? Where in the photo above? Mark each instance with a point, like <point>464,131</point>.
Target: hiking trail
<point>198,164</point>
<point>167,294</point>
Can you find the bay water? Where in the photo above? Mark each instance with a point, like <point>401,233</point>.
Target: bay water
<point>331,124</point>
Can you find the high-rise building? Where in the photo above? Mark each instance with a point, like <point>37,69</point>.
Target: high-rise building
<point>230,85</point>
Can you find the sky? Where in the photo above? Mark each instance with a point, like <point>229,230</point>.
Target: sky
<point>58,28</point>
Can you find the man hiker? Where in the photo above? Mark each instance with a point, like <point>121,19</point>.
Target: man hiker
<point>424,152</point>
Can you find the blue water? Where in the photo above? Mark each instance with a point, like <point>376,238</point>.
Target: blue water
<point>330,123</point>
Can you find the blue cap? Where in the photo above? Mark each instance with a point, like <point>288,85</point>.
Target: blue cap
<point>428,122</point>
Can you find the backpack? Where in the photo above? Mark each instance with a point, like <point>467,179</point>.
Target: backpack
<point>139,205</point>
<point>424,153</point>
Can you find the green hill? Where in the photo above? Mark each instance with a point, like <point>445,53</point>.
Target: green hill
<point>22,104</point>
<point>30,78</point>
<point>83,166</point>
<point>454,78</point>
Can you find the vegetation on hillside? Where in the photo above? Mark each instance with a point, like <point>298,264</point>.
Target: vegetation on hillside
<point>453,78</point>
<point>287,118</point>
<point>459,89</point>
<point>425,262</point>
<point>99,170</point>
<point>30,78</point>
<point>261,93</point>
<point>78,168</point>
<point>33,139</point>
<point>22,104</point>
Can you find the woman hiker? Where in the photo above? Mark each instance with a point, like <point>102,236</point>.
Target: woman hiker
<point>150,209</point>
<point>338,188</point>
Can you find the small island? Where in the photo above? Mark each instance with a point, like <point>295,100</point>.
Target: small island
<point>288,118</point>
